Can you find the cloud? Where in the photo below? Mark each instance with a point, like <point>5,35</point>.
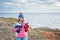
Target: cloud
<point>29,5</point>
<point>57,4</point>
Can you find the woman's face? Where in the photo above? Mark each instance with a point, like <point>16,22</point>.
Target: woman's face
<point>21,19</point>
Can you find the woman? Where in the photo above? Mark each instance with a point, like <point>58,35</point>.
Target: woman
<point>20,29</point>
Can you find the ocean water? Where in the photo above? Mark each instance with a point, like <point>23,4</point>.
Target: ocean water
<point>51,20</point>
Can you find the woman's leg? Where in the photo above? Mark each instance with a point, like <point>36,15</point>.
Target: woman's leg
<point>19,39</point>
<point>25,38</point>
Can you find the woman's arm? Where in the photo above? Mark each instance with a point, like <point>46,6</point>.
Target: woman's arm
<point>14,29</point>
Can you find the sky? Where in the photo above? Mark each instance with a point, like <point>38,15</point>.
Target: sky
<point>30,5</point>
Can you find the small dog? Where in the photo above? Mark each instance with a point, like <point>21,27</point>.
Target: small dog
<point>26,27</point>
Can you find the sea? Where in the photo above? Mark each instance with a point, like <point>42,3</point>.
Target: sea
<point>36,20</point>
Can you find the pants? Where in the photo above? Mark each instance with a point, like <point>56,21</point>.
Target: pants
<point>25,38</point>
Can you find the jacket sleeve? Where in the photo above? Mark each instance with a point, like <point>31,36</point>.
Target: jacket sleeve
<point>14,29</point>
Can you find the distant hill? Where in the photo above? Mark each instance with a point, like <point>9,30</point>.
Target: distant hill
<point>6,32</point>
<point>7,21</point>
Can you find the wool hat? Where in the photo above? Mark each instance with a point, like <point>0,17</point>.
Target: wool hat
<point>20,15</point>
